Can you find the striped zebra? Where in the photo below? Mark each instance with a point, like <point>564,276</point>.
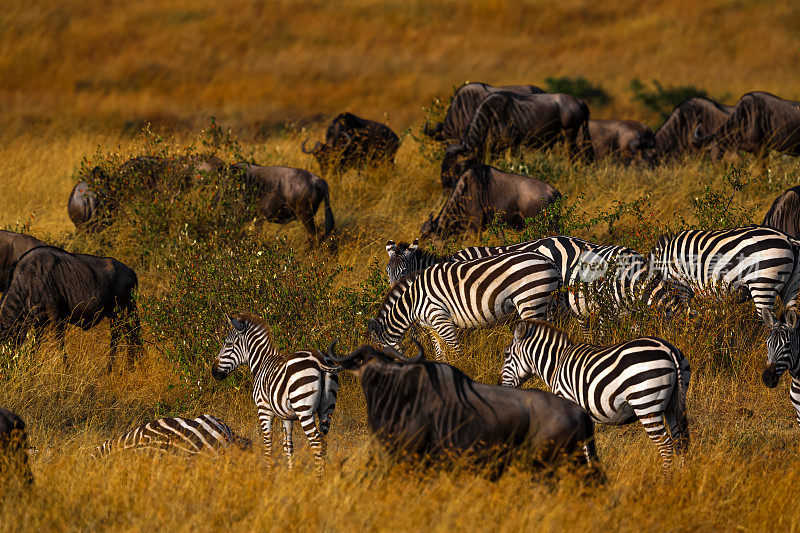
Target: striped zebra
<point>579,262</point>
<point>761,261</point>
<point>291,387</point>
<point>204,434</point>
<point>465,295</point>
<point>645,379</point>
<point>783,353</point>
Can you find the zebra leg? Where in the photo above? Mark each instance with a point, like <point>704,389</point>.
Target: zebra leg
<point>654,426</point>
<point>265,417</point>
<point>316,440</point>
<point>288,446</point>
<point>794,395</point>
<point>447,333</point>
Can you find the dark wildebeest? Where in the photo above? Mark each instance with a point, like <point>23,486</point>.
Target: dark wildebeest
<point>760,122</point>
<point>50,286</point>
<point>674,137</point>
<point>784,214</point>
<point>143,173</point>
<point>12,247</point>
<point>285,194</point>
<point>462,108</point>
<point>14,465</point>
<point>506,120</point>
<point>431,413</point>
<point>354,142</point>
<point>625,140</point>
<point>484,191</point>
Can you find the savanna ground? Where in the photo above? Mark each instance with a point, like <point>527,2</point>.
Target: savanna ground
<point>80,80</point>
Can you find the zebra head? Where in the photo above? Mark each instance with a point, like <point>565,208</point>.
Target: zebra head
<point>516,369</point>
<point>234,351</point>
<point>534,350</point>
<point>400,259</point>
<point>659,254</point>
<point>783,347</point>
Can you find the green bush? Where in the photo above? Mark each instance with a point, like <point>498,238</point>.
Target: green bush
<point>663,99</point>
<point>579,87</point>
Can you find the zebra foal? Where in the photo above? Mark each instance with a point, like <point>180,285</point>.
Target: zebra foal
<point>466,294</point>
<point>291,387</point>
<point>783,354</point>
<point>206,433</point>
<point>645,379</point>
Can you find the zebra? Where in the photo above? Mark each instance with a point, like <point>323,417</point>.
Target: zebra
<point>465,294</point>
<point>580,262</point>
<point>288,386</point>
<point>783,353</point>
<point>753,259</point>
<point>645,379</point>
<point>206,433</point>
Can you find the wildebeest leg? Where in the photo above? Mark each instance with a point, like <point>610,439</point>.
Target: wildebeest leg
<point>59,328</point>
<point>288,447</point>
<point>115,335</point>
<point>265,418</point>
<point>307,218</point>
<point>132,333</point>
<point>316,440</point>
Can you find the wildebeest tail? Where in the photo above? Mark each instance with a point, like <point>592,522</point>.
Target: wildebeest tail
<point>329,223</point>
<point>584,140</point>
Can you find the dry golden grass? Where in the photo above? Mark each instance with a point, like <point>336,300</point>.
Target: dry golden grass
<point>78,75</point>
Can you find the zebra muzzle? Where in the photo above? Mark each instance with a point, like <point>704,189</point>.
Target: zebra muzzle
<point>769,377</point>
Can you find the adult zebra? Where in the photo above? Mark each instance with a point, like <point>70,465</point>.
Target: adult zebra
<point>645,379</point>
<point>466,294</point>
<point>206,433</point>
<point>762,261</point>
<point>783,353</point>
<point>288,386</point>
<point>580,262</point>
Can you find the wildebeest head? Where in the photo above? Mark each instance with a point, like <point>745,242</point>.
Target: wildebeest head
<point>708,141</point>
<point>430,227</point>
<point>457,159</point>
<point>329,154</point>
<point>783,346</point>
<point>14,463</point>
<point>367,356</point>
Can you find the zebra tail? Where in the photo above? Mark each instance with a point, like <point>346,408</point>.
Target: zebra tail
<point>329,223</point>
<point>681,391</point>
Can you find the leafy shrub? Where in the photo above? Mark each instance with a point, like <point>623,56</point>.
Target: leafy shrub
<point>662,100</point>
<point>713,209</point>
<point>579,87</point>
<point>429,149</point>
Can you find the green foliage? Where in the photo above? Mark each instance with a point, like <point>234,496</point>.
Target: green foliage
<point>713,208</point>
<point>661,99</point>
<point>430,149</point>
<point>579,87</point>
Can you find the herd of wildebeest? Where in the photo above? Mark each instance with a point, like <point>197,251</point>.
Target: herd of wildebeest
<point>430,412</point>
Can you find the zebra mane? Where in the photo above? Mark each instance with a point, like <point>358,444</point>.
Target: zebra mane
<point>420,253</point>
<point>257,322</point>
<point>557,333</point>
<point>396,290</point>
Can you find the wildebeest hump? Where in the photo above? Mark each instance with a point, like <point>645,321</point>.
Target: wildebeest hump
<point>784,214</point>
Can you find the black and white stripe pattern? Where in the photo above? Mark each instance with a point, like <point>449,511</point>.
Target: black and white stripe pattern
<point>204,434</point>
<point>582,264</point>
<point>645,379</point>
<point>466,294</point>
<point>783,354</point>
<point>761,260</point>
<point>291,387</point>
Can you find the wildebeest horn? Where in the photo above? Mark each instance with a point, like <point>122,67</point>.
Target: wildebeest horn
<point>402,358</point>
<point>349,138</point>
<point>303,147</point>
<point>338,358</point>
<point>697,136</point>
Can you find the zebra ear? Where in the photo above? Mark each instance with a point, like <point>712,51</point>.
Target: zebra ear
<point>520,330</point>
<point>768,317</point>
<point>391,249</point>
<point>413,246</point>
<point>791,318</point>
<point>237,324</point>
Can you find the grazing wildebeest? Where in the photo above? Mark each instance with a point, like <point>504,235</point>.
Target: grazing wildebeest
<point>431,413</point>
<point>462,108</point>
<point>285,194</point>
<point>354,142</point>
<point>626,140</point>
<point>784,215</point>
<point>50,286</point>
<point>506,120</point>
<point>484,191</point>
<point>14,465</point>
<point>12,247</point>
<point>674,137</point>
<point>760,122</point>
<point>81,204</point>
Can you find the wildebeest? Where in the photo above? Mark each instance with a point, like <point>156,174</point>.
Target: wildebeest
<point>50,286</point>
<point>784,215</point>
<point>673,138</point>
<point>285,194</point>
<point>484,191</point>
<point>429,413</point>
<point>14,465</point>
<point>12,247</point>
<point>506,120</point>
<point>626,140</point>
<point>354,142</point>
<point>760,122</point>
<point>81,204</point>
<point>462,108</point>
